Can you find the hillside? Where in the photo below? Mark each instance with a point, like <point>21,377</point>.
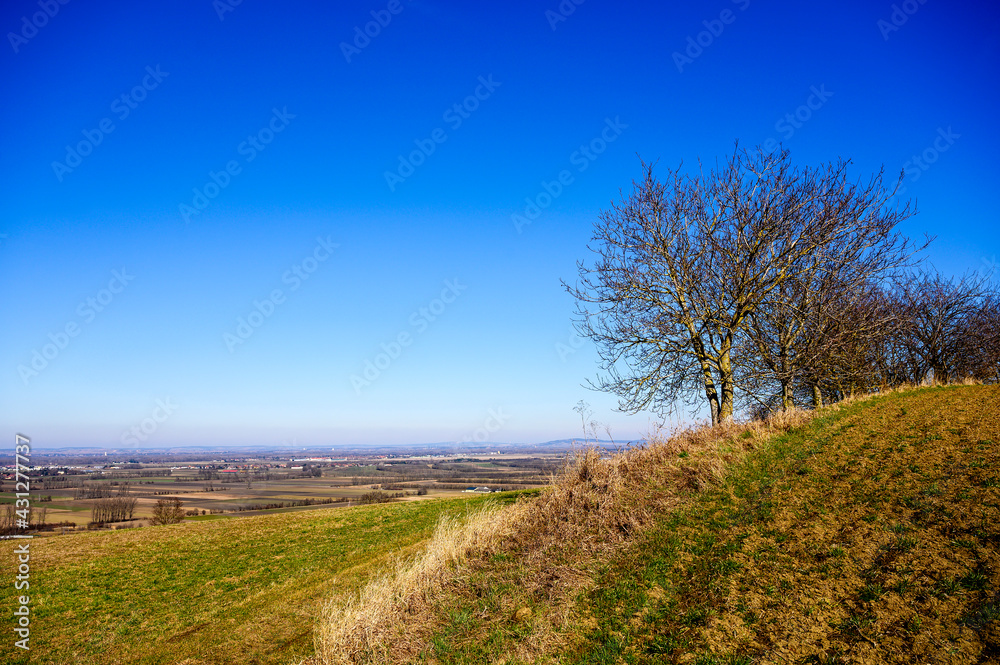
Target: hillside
<point>868,533</point>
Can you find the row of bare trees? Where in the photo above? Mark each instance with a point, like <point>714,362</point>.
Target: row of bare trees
<point>758,284</point>
<point>914,328</point>
<point>94,491</point>
<point>112,508</point>
<point>9,517</point>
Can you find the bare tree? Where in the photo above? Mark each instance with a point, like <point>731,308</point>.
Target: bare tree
<point>683,265</point>
<point>942,321</point>
<point>168,511</point>
<point>979,347</point>
<point>794,331</point>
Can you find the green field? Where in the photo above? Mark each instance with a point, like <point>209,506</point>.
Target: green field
<point>222,591</point>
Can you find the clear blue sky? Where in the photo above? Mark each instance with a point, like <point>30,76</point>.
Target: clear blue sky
<point>310,128</point>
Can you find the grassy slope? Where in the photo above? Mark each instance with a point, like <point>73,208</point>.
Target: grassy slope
<point>868,535</point>
<point>228,591</point>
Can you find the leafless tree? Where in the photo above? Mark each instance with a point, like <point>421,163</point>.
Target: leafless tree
<point>979,348</point>
<point>946,323</point>
<point>168,511</point>
<point>112,509</point>
<point>684,265</point>
<point>794,333</point>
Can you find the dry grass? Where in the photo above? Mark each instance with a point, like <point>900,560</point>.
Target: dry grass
<point>868,537</point>
<point>516,571</point>
<point>370,624</point>
<point>595,506</point>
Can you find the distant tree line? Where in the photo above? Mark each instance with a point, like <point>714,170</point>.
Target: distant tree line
<point>294,503</point>
<point>9,517</point>
<point>759,285</point>
<point>107,508</point>
<point>379,496</point>
<point>112,509</point>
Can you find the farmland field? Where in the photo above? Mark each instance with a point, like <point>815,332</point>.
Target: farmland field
<point>251,486</point>
<point>222,591</point>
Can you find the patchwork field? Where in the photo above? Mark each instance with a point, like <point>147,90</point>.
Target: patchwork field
<point>225,591</point>
<point>251,486</point>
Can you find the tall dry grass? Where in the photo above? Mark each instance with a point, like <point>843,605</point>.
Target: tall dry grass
<point>364,627</point>
<point>596,504</point>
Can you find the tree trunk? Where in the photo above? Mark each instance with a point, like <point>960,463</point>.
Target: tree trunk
<point>787,398</point>
<point>713,402</point>
<point>706,371</point>
<point>817,396</point>
<point>711,394</point>
<point>726,383</point>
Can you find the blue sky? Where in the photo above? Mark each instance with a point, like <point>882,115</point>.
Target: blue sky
<point>214,154</point>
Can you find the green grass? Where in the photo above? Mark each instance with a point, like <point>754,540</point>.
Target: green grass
<point>214,590</point>
<point>775,548</point>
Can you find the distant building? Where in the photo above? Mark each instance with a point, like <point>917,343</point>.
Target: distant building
<point>478,490</point>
